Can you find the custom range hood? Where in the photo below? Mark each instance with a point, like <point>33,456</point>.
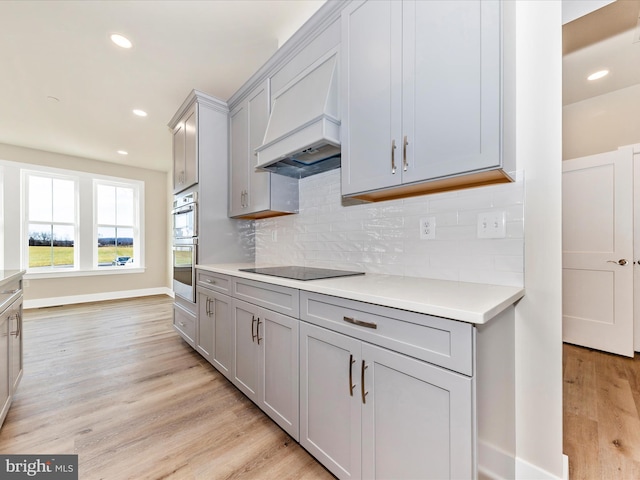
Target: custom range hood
<point>303,133</point>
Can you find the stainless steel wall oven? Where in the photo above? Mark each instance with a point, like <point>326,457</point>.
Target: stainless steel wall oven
<point>185,245</point>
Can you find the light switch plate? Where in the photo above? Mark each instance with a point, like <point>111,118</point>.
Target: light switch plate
<point>428,228</point>
<point>492,224</point>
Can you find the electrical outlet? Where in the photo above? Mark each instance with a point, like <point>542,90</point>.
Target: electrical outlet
<point>492,224</point>
<point>428,228</point>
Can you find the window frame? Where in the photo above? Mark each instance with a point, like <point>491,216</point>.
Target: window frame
<point>85,241</point>
<point>136,227</point>
<point>26,174</point>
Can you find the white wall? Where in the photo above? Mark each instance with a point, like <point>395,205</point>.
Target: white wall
<point>539,313</point>
<point>155,278</point>
<point>601,124</point>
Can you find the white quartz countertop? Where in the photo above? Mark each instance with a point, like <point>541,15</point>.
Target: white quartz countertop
<point>468,302</point>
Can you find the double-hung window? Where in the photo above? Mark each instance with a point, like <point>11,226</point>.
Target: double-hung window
<point>52,221</point>
<point>116,213</point>
<point>77,223</point>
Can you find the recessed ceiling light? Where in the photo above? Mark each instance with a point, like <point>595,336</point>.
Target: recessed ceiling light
<point>123,152</point>
<point>140,113</point>
<point>598,74</point>
<point>121,41</point>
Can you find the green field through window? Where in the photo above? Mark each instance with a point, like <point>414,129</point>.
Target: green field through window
<point>63,256</point>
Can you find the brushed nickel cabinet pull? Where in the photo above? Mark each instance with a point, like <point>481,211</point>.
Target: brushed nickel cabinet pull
<point>5,292</point>
<point>393,157</point>
<point>253,322</point>
<point>351,385</point>
<point>404,154</point>
<point>258,331</point>
<point>362,390</point>
<point>16,333</point>
<point>360,323</point>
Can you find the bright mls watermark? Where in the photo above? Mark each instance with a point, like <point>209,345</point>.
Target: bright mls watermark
<point>50,467</point>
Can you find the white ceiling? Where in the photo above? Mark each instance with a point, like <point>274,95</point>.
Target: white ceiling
<point>62,49</point>
<point>608,38</point>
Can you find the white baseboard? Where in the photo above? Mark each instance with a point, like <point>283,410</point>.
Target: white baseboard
<point>527,471</point>
<point>495,464</point>
<point>95,297</point>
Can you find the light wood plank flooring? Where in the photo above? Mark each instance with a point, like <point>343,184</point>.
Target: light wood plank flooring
<point>601,421</point>
<point>113,383</point>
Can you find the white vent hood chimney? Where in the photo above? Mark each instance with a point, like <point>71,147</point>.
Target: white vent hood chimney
<point>303,133</point>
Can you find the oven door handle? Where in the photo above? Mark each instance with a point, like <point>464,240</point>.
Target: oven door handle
<point>185,209</point>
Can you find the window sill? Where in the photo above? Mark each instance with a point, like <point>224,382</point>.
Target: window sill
<point>84,273</point>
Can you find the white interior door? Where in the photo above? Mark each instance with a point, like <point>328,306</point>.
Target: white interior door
<point>597,240</point>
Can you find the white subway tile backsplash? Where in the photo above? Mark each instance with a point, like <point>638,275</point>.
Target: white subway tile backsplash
<point>384,237</point>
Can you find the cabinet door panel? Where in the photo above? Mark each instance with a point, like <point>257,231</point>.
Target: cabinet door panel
<point>15,336</point>
<point>279,344</point>
<point>178,157</point>
<point>259,184</point>
<point>5,390</point>
<point>451,96</point>
<point>204,332</point>
<point>247,358</point>
<point>222,355</point>
<point>191,148</point>
<point>371,96</point>
<point>417,419</point>
<point>238,166</point>
<point>329,416</point>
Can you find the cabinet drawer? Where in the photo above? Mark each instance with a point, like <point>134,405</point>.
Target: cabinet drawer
<point>185,323</point>
<point>274,297</point>
<point>439,341</point>
<point>214,281</point>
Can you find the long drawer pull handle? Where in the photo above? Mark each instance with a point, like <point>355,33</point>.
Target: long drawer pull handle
<point>360,323</point>
<point>364,393</point>
<point>351,385</point>
<point>4,292</point>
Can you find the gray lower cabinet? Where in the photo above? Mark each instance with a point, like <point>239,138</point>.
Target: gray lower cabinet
<point>15,345</point>
<point>11,350</point>
<point>215,330</point>
<point>370,412</point>
<point>5,387</point>
<point>266,362</point>
<point>371,392</point>
<point>184,322</point>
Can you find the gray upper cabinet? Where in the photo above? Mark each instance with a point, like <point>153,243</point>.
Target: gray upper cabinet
<point>422,97</point>
<point>254,194</point>
<point>185,150</point>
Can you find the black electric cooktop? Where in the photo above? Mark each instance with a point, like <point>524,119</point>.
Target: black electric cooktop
<point>301,273</point>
